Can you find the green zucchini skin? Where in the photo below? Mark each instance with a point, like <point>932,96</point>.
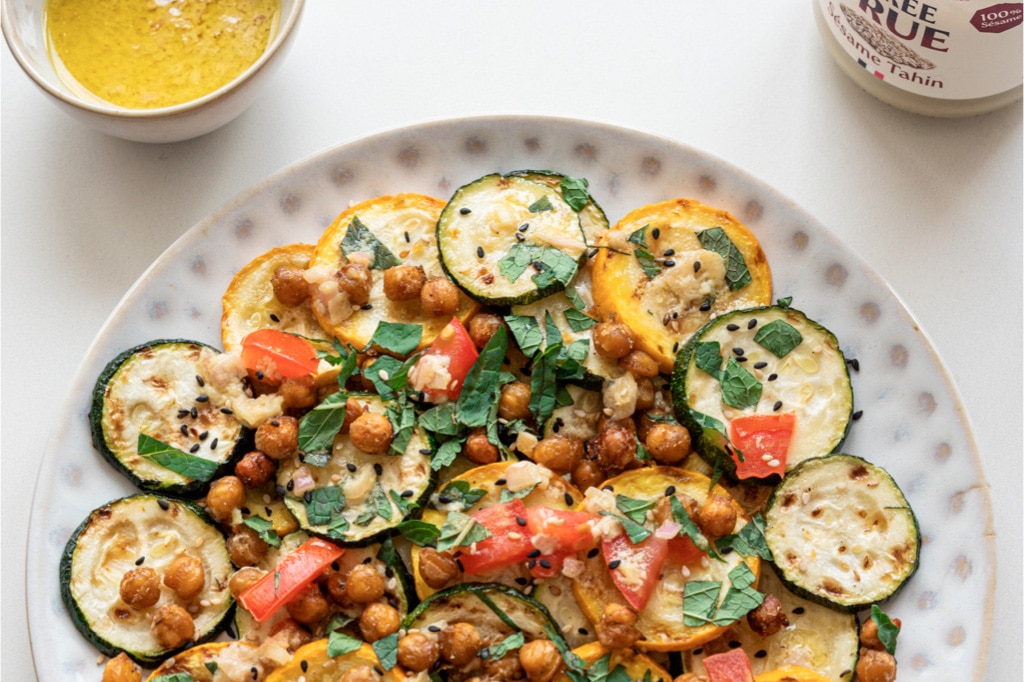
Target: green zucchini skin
<point>472,239</point>
<point>409,473</point>
<point>827,422</point>
<point>133,509</point>
<point>233,438</point>
<point>840,505</point>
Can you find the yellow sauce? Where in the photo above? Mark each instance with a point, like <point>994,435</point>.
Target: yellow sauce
<point>143,54</point>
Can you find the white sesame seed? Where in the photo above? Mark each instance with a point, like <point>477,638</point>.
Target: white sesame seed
<point>773,463</point>
<point>383,374</point>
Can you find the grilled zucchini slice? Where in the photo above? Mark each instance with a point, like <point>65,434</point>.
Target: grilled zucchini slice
<point>354,498</point>
<point>593,220</point>
<point>660,623</point>
<point>842,533</point>
<point>403,225</point>
<point>781,362</point>
<point>700,263</point>
<point>156,389</point>
<point>202,662</point>
<point>250,304</point>
<point>150,531</point>
<point>507,240</point>
<point>817,638</point>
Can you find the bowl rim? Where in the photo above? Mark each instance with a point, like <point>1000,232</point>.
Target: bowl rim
<point>14,43</point>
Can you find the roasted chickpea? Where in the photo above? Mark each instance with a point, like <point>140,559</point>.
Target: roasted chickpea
<point>561,454</point>
<point>647,420</point>
<point>768,618</point>
<point>644,394</point>
<point>717,517</point>
<point>617,627</point>
<point>439,297</point>
<point>668,443</point>
<point>245,547</point>
<point>172,626</point>
<point>404,282</point>
<point>360,673</point>
<point>243,579</point>
<point>640,364</point>
<point>478,448</point>
<point>876,666</point>
<point>587,474</point>
<point>378,620</point>
<point>356,280</point>
<point>298,393</point>
<point>255,469</point>
<point>291,633</point>
<point>140,587</point>
<point>371,433</point>
<point>541,660</point>
<point>364,584</point>
<point>417,652</point>
<point>185,575</point>
<point>353,408</point>
<point>309,606</point>
<point>514,402</point>
<point>663,509</point>
<point>614,449</point>
<point>121,669</point>
<point>869,633</point>
<point>605,422</point>
<point>482,327</point>
<point>460,643</point>
<point>278,438</point>
<point>436,568</point>
<point>225,495</point>
<point>290,285</point>
<point>612,339</point>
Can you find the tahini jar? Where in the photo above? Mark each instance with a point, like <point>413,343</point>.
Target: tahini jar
<point>933,57</point>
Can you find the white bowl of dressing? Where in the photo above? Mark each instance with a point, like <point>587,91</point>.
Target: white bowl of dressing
<point>25,30</point>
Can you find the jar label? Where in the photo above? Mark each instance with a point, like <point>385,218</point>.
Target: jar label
<point>948,49</point>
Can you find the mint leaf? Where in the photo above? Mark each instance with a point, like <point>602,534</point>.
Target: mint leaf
<point>323,503</point>
<point>634,530</point>
<point>174,459</point>
<point>700,601</point>
<point>445,454</point>
<point>542,383</point>
<point>462,493</point>
<point>507,494</point>
<point>740,388</point>
<point>386,649</point>
<point>575,300</point>
<point>578,320</point>
<point>749,541</point>
<point>338,644</point>
<point>737,275</point>
<point>397,337</point>
<point>481,386</point>
<point>706,421</point>
<point>784,302</point>
<point>510,643</point>
<point>419,532</point>
<point>460,530</point>
<point>687,527</point>
<point>888,631</point>
<point>440,420</point>
<point>403,422</point>
<point>359,238</point>
<point>319,426</point>
<point>175,677</point>
<point>550,264</point>
<point>264,529</point>
<point>575,192</point>
<point>635,509</point>
<point>542,204</point>
<point>384,373</point>
<point>778,337</point>
<point>708,357</point>
<point>644,257</point>
<point>527,333</point>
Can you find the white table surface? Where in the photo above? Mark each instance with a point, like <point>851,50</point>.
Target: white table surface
<point>934,205</point>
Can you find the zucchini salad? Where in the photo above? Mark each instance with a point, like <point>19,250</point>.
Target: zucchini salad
<point>494,438</point>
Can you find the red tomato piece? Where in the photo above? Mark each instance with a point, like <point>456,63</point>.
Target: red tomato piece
<point>681,549</point>
<point>761,438</point>
<point>570,530</point>
<point>731,666</point>
<point>549,565</point>
<point>289,577</point>
<point>454,344</point>
<point>637,568</point>
<point>278,355</point>
<point>509,542</point>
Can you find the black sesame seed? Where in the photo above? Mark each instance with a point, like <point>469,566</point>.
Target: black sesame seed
<point>307,496</point>
<point>670,264</point>
<point>214,443</point>
<point>279,491</point>
<point>204,435</point>
<point>738,351</point>
<point>613,564</point>
<point>705,306</point>
<point>226,410</point>
<point>520,237</point>
<point>520,520</point>
<point>434,628</point>
<point>760,653</point>
<point>725,550</point>
<point>798,610</point>
<point>752,323</point>
<point>656,233</point>
<point>777,406</point>
<point>378,669</point>
<point>760,365</point>
<point>675,347</point>
<point>521,581</point>
<point>389,572</point>
<point>138,562</point>
<point>184,430</point>
<point>583,631</point>
<point>531,564</point>
<point>479,252</point>
<point>773,376</point>
<point>254,673</point>
<point>202,398</point>
<point>524,227</point>
<point>268,511</point>
<point>696,266</point>
<point>184,413</point>
<point>378,469</point>
<point>290,486</point>
<point>199,380</point>
<point>194,449</point>
<point>857,415</point>
<point>609,488</point>
<point>368,560</point>
<point>545,563</point>
<point>194,412</point>
<point>742,358</point>
<point>304,665</point>
<point>275,423</point>
<point>351,467</point>
<point>533,554</point>
<point>259,375</point>
<point>669,252</point>
<point>854,364</point>
<point>593,553</point>
<point>734,644</point>
<point>537,265</point>
<point>500,481</point>
<point>670,491</point>
<point>407,493</point>
<point>424,451</point>
<point>444,499</point>
<point>245,510</point>
<point>698,651</point>
<point>592,253</point>
<point>274,318</point>
<point>568,499</point>
<point>465,211</point>
<point>407,237</point>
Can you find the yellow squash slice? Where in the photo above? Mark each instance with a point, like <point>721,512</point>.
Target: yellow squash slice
<point>636,664</point>
<point>250,304</point>
<point>312,664</point>
<point>201,660</point>
<point>406,225</point>
<point>702,262</point>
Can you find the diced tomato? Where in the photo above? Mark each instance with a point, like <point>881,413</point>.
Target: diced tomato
<point>455,344</point>
<point>289,577</point>
<point>550,565</point>
<point>758,435</point>
<point>569,530</point>
<point>681,549</point>
<point>636,573</point>
<point>278,355</point>
<point>509,542</point>
<point>731,666</point>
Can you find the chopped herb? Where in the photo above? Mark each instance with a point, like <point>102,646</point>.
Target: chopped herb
<point>440,420</point>
<point>887,630</point>
<point>460,530</point>
<point>319,426</point>
<point>527,333</point>
<point>749,541</point>
<point>635,531</point>
<point>740,388</point>
<point>510,643</point>
<point>338,643</point>
<point>542,383</point>
<point>445,454</point>
<point>784,302</point>
<point>177,461</point>
<point>687,527</point>
<point>636,510</point>
<point>507,494</point>
<point>462,492</point>
<point>481,385</point>
<point>644,257</point>
<point>403,422</point>
<point>708,357</point>
<point>737,275</point>
<point>542,204</point>
<point>323,504</point>
<point>397,337</point>
<point>700,599</point>
<point>359,239</point>
<point>552,265</point>
<point>264,530</point>
<point>778,337</point>
<point>419,532</point>
<point>578,320</point>
<point>575,191</point>
<point>386,649</point>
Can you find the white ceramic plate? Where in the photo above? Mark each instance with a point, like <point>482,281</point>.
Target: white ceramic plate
<point>913,422</point>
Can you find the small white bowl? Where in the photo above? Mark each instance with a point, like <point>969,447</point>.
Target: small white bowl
<point>23,29</point>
